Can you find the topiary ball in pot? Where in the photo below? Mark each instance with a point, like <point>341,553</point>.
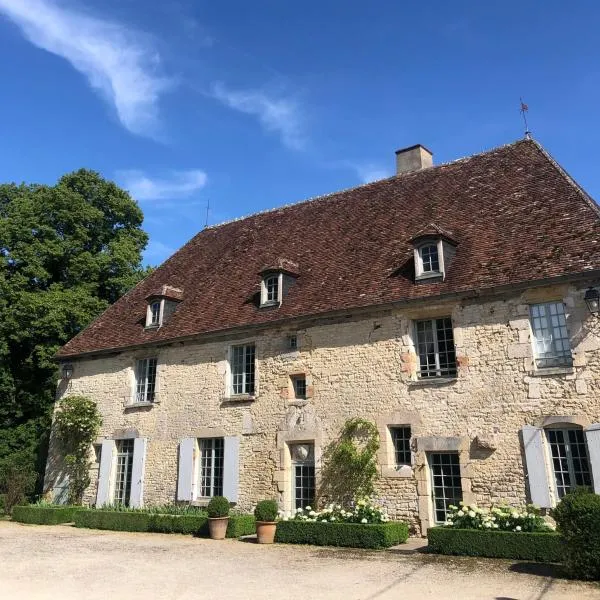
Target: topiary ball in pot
<point>218,517</point>
<point>265,513</point>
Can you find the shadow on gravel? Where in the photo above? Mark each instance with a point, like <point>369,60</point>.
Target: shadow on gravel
<point>539,569</point>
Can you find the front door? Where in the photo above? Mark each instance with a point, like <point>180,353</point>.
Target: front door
<point>446,487</point>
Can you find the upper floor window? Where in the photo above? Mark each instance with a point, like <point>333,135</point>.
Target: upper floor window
<point>145,380</point>
<point>271,289</point>
<point>243,369</point>
<point>435,346</point>
<point>551,338</point>
<point>401,442</point>
<point>429,259</point>
<point>569,459</point>
<point>153,317</point>
<point>299,383</point>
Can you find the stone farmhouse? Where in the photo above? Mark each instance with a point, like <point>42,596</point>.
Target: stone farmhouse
<point>454,306</point>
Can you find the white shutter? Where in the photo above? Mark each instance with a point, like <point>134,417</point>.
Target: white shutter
<point>105,474</point>
<point>533,443</point>
<point>185,475</point>
<point>136,497</point>
<point>592,437</point>
<point>231,468</point>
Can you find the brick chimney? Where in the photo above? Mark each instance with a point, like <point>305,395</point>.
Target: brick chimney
<point>413,158</point>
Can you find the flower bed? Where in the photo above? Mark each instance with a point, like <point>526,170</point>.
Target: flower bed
<point>194,522</point>
<point>537,546</point>
<point>354,535</point>
<point>44,514</point>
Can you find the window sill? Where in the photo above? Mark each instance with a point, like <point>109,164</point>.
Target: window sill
<point>134,405</point>
<point>546,371</point>
<point>398,472</point>
<point>432,381</point>
<point>270,304</point>
<point>429,275</point>
<point>152,327</point>
<point>200,502</point>
<point>239,398</point>
<point>298,402</point>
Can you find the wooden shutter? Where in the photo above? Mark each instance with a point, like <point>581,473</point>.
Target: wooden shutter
<point>592,438</point>
<point>136,497</point>
<point>105,473</point>
<point>537,476</point>
<point>185,474</point>
<point>231,468</point>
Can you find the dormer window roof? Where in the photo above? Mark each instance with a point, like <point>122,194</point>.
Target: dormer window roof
<point>161,305</point>
<point>434,248</point>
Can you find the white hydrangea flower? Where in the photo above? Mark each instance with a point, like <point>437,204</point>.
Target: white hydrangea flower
<point>308,508</point>
<point>471,513</point>
<point>518,528</point>
<point>363,520</point>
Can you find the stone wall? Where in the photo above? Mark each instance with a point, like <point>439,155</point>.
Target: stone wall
<point>359,366</point>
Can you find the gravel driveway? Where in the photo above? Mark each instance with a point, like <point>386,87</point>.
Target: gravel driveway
<point>65,563</point>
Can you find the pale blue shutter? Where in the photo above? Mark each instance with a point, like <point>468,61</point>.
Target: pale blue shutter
<point>185,474</point>
<point>592,438</point>
<point>105,473</point>
<point>231,468</point>
<point>537,476</point>
<point>136,498</point>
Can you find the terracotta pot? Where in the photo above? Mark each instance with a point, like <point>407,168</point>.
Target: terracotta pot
<point>217,527</point>
<point>265,531</point>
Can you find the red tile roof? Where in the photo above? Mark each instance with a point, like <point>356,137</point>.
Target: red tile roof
<point>517,217</point>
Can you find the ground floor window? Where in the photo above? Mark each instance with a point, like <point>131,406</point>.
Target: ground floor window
<point>303,474</point>
<point>445,482</point>
<point>569,459</point>
<point>401,442</point>
<point>122,490</point>
<point>210,465</point>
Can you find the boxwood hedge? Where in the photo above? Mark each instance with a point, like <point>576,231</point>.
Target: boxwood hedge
<point>541,547</point>
<point>354,535</point>
<point>44,514</point>
<point>196,524</point>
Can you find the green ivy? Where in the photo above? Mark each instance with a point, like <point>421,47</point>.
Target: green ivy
<point>350,463</point>
<point>77,423</point>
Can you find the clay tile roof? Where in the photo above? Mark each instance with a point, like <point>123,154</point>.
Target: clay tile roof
<point>518,216</point>
<point>433,231</point>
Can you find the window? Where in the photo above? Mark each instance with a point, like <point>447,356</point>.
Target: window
<point>210,467</point>
<point>569,459</point>
<point>303,475</point>
<point>243,369</point>
<point>552,345</point>
<point>401,442</point>
<point>122,489</point>
<point>154,314</point>
<point>435,346</point>
<point>292,341</point>
<point>445,481</point>
<point>429,259</point>
<point>145,380</point>
<point>97,453</point>
<point>272,285</point>
<point>299,383</point>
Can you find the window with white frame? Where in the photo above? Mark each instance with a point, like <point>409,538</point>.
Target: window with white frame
<point>210,467</point>
<point>154,310</point>
<point>401,443</point>
<point>271,289</point>
<point>435,347</point>
<point>124,466</point>
<point>243,369</point>
<point>303,474</point>
<point>570,463</point>
<point>551,338</point>
<point>429,259</point>
<point>145,380</point>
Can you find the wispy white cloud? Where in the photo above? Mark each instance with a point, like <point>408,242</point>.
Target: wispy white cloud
<point>276,114</point>
<point>178,184</point>
<point>157,252</point>
<point>368,172</point>
<point>118,62</point>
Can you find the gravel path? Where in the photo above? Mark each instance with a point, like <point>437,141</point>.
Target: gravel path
<point>61,562</point>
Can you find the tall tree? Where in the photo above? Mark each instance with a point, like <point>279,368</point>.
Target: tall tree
<point>66,252</point>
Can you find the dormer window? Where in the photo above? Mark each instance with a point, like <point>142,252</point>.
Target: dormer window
<point>276,280</point>
<point>434,248</point>
<point>272,288</point>
<point>154,313</point>
<point>161,305</point>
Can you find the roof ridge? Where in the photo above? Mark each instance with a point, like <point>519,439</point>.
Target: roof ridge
<point>364,185</point>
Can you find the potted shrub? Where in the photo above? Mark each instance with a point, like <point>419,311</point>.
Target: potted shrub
<point>218,517</point>
<point>265,514</point>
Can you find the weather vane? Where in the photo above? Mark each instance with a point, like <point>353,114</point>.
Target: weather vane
<point>207,209</point>
<point>524,109</point>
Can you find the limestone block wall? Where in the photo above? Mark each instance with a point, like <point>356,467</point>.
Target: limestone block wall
<point>360,365</point>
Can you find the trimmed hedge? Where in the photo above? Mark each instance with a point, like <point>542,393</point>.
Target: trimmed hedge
<point>2,503</point>
<point>156,523</point>
<point>540,547</point>
<point>353,535</point>
<point>44,514</point>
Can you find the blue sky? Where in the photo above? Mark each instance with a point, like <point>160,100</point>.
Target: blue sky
<point>256,104</point>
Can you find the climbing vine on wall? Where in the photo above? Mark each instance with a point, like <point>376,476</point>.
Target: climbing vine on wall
<point>350,463</point>
<point>76,425</point>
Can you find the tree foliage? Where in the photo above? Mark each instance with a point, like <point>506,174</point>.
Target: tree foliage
<point>67,252</point>
<point>77,423</point>
<point>350,463</point>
